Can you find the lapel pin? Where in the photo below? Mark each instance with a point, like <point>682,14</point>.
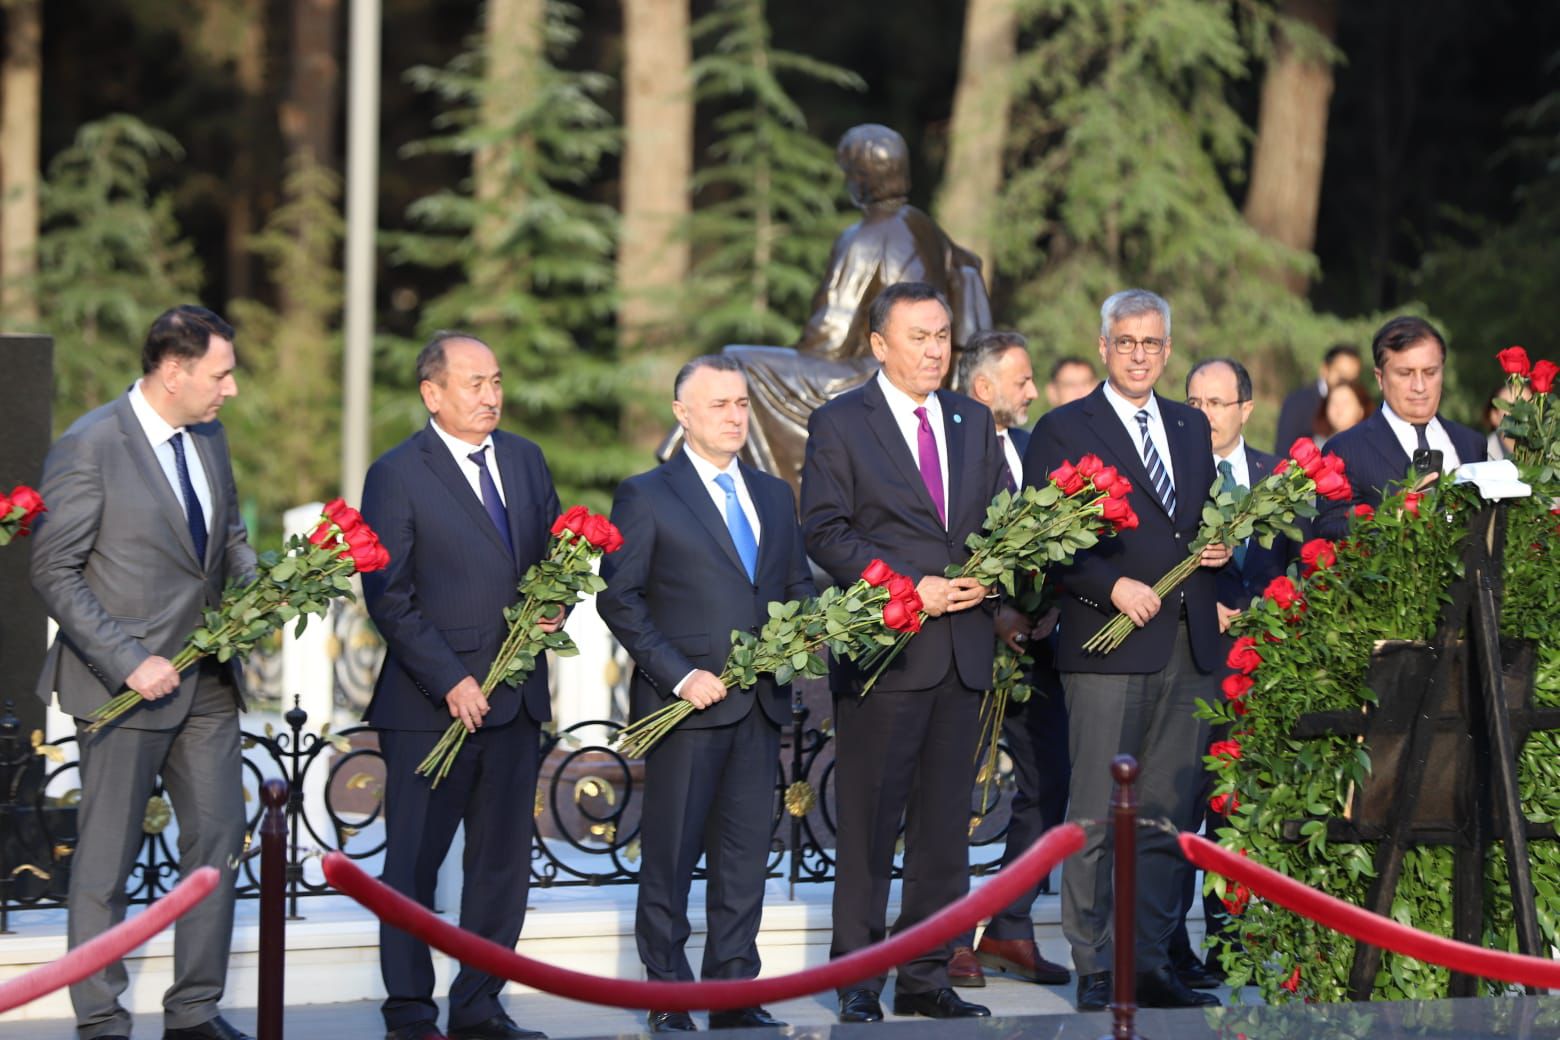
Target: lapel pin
<point>957,418</point>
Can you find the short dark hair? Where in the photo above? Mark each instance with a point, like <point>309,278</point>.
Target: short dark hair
<point>1400,334</point>
<point>719,362</point>
<point>985,348</point>
<point>1242,377</point>
<point>1338,350</point>
<point>901,292</point>
<point>1068,360</point>
<point>430,359</point>
<point>182,333</point>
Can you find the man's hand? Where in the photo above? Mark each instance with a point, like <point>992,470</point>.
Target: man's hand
<point>966,593</point>
<point>1226,615</point>
<point>554,623</point>
<point>1215,554</point>
<point>1013,628</point>
<point>702,689</point>
<point>1134,599</point>
<point>1047,624</point>
<point>153,678</point>
<point>941,596</point>
<point>466,703</point>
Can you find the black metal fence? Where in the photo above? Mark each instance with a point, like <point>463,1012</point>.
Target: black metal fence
<point>587,808</point>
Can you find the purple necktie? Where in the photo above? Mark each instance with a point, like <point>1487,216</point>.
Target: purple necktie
<point>1007,471</point>
<point>931,465</point>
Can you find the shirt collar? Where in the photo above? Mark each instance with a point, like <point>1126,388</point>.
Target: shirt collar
<point>158,430</point>
<point>707,470</point>
<point>1127,410</point>
<point>459,448</point>
<point>901,403</point>
<point>1402,427</point>
<point>1237,452</point>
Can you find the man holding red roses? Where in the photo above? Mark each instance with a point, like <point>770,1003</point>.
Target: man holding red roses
<point>463,509</point>
<point>901,470</point>
<point>1406,432</point>
<point>1141,698</point>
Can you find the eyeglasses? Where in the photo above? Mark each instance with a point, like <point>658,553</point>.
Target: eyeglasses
<point>1129,345</point>
<point>1214,402</point>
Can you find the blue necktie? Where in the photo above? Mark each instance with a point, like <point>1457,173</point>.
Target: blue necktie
<point>490,498</point>
<point>1227,482</point>
<point>194,515</point>
<point>1157,473</point>
<point>737,524</point>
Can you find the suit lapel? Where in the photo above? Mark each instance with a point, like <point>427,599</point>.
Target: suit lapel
<point>771,517</point>
<point>880,420</point>
<point>1183,457</point>
<point>1385,443</point>
<point>687,487</point>
<point>217,490</point>
<point>153,478</point>
<point>1256,468</point>
<point>1104,420</point>
<point>517,490</point>
<point>442,463</point>
<point>954,438</point>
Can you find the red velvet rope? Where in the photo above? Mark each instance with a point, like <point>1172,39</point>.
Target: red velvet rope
<point>395,909</point>
<point>96,954</point>
<point>1368,927</point>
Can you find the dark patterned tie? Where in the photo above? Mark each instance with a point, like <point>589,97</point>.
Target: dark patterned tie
<point>194,515</point>
<point>1007,471</point>
<point>490,497</point>
<point>1157,474</point>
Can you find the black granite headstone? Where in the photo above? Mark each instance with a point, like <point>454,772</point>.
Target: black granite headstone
<point>26,415</point>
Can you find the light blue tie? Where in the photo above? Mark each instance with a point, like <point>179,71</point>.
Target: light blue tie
<point>737,524</point>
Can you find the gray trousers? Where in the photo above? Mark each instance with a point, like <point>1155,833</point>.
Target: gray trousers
<point>201,769</point>
<point>1151,718</point>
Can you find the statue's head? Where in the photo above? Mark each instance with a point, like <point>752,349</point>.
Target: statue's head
<point>876,163</point>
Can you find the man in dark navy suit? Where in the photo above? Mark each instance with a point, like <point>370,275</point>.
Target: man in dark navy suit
<point>1141,698</point>
<point>996,370</point>
<point>709,543</point>
<point>1220,388</point>
<point>1406,431</point>
<point>463,509</point>
<point>900,470</point>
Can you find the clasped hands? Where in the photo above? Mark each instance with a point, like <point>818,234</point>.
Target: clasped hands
<point>465,701</point>
<point>1139,601</point>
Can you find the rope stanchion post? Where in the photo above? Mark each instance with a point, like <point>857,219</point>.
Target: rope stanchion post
<point>273,883</point>
<point>1123,818</point>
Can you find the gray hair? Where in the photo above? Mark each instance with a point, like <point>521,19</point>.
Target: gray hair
<point>719,362</point>
<point>984,349</point>
<point>430,359</point>
<point>1129,303</point>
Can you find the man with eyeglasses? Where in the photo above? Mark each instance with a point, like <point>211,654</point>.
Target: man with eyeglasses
<point>1140,699</point>
<point>1220,388</point>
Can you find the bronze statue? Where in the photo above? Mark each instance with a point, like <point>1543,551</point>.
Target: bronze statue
<point>892,242</point>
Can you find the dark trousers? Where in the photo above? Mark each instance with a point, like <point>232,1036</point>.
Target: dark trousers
<point>709,791</point>
<point>910,755</point>
<point>492,789</point>
<point>1150,717</point>
<point>1214,914</point>
<point>202,771</point>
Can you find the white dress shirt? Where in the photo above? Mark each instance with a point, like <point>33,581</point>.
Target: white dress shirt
<point>1126,411</point>
<point>461,451</point>
<point>160,435</point>
<point>1435,433</point>
<point>902,406</point>
<point>1237,460</point>
<point>708,471</point>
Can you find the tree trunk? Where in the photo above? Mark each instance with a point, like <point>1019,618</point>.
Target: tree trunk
<point>249,76</point>
<point>979,126</point>
<point>308,116</point>
<point>20,91</point>
<point>1286,168</point>
<point>512,46</point>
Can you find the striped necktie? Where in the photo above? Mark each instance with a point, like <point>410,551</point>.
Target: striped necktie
<point>1157,474</point>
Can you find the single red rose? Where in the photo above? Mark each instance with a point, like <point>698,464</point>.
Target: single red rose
<point>614,539</point>
<point>1304,451</point>
<point>1333,464</point>
<point>1243,656</point>
<point>1237,686</point>
<point>913,603</point>
<point>1228,750</point>
<point>1281,592</point>
<point>1332,485</point>
<point>1121,489</point>
<point>1090,465</point>
<point>1105,479</point>
<point>900,618</point>
<point>1514,361</point>
<point>324,531</point>
<point>6,507</point>
<point>572,520</point>
<point>1283,465</point>
<point>1067,478</point>
<point>1364,512</point>
<point>1236,897</point>
<point>1319,554</point>
<point>343,515</point>
<point>1130,523</point>
<point>1411,500</point>
<point>29,500</point>
<point>900,587</point>
<point>1115,510</point>
<point>597,530</point>
<point>1224,804</point>
<point>364,550</point>
<point>1292,984</point>
<point>877,573</point>
<point>1543,379</point>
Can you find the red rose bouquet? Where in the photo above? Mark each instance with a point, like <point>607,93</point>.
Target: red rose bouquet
<point>313,570</point>
<point>1530,422</point>
<point>549,587</point>
<point>17,512</point>
<point>1263,512</point>
<point>1034,529</point>
<point>847,622</point>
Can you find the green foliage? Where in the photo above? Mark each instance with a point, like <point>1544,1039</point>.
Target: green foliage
<point>768,211</point>
<point>532,254</point>
<point>1123,145</point>
<point>111,258</point>
<point>285,422</point>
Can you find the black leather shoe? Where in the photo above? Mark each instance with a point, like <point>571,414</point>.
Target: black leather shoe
<point>1161,988</point>
<point>1194,975</point>
<point>425,1030</point>
<point>744,1018</point>
<point>499,1027</point>
<point>1094,991</point>
<point>217,1028</point>
<point>860,1005</point>
<point>938,1003</point>
<point>671,1022</point>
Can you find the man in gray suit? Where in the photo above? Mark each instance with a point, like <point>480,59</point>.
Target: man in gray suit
<point>142,534</point>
